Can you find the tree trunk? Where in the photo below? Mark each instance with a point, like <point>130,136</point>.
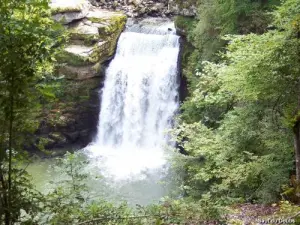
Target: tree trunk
<point>4,199</point>
<point>296,131</point>
<point>297,124</point>
<point>297,149</point>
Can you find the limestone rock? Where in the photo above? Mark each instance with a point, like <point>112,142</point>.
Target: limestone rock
<point>83,51</point>
<point>93,41</point>
<point>80,73</point>
<point>140,8</point>
<point>69,11</point>
<point>84,31</point>
<point>72,120</point>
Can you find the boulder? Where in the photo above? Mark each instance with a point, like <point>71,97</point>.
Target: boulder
<point>66,12</point>
<point>84,32</point>
<point>80,73</point>
<point>93,41</point>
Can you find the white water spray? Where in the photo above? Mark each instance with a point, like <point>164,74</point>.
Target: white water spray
<point>139,101</point>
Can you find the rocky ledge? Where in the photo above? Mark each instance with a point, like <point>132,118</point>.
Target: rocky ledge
<point>139,8</point>
<point>70,121</point>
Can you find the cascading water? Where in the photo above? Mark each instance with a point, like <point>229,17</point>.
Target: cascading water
<point>127,160</point>
<point>139,100</point>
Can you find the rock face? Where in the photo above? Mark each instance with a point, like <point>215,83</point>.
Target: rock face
<point>71,120</point>
<point>69,11</point>
<point>93,41</point>
<point>139,8</point>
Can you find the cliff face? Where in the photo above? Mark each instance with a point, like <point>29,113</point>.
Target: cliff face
<point>71,119</point>
<point>139,8</point>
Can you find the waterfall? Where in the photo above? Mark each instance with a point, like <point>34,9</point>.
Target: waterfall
<point>139,100</point>
<point>128,159</point>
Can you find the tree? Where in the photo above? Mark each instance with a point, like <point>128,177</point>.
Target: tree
<point>287,18</point>
<point>216,19</point>
<point>28,41</point>
<point>266,69</point>
<point>248,156</point>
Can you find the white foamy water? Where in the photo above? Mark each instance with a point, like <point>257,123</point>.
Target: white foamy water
<point>139,101</point>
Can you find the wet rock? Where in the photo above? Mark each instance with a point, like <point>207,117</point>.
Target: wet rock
<point>73,136</point>
<point>80,73</point>
<point>71,120</point>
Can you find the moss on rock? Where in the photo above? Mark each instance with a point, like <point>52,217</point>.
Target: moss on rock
<point>98,35</point>
<point>184,24</point>
<point>72,59</point>
<point>94,56</point>
<point>73,111</point>
<point>86,39</point>
<point>115,25</point>
<point>87,34</point>
<point>79,73</point>
<point>56,10</point>
<point>102,51</point>
<point>111,34</point>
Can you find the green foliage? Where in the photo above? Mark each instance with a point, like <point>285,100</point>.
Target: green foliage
<point>185,24</point>
<point>25,198</point>
<point>264,65</point>
<point>236,125</point>
<point>217,18</point>
<point>222,17</point>
<point>29,40</point>
<point>288,210</point>
<point>73,166</point>
<point>170,211</point>
<point>70,202</point>
<point>209,103</point>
